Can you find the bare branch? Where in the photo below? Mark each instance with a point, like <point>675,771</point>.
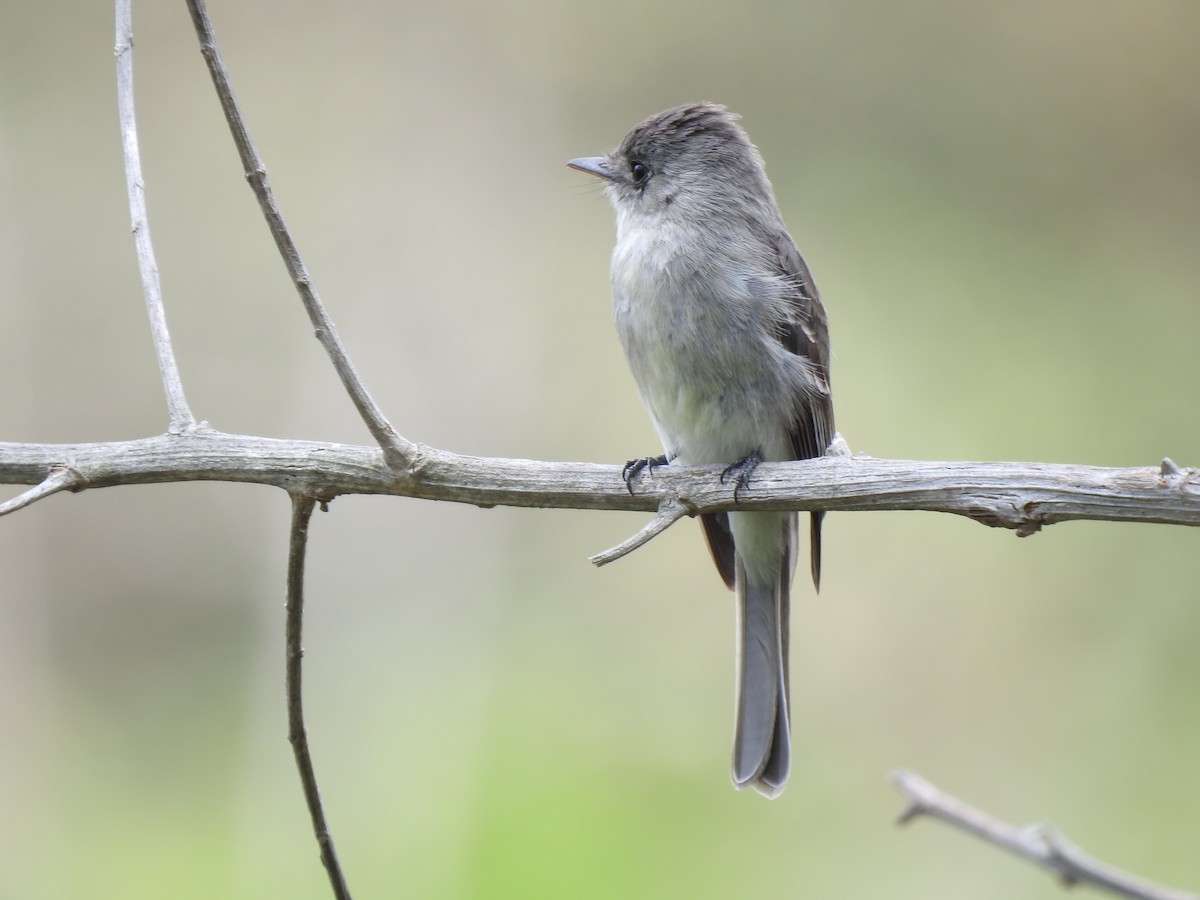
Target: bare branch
<point>670,512</point>
<point>1040,844</point>
<point>302,509</point>
<point>59,478</point>
<point>1019,496</point>
<point>399,453</point>
<point>179,413</point>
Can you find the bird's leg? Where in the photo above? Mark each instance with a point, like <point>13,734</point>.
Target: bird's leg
<point>741,471</point>
<point>636,465</point>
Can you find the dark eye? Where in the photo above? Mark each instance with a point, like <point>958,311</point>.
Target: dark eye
<point>640,172</point>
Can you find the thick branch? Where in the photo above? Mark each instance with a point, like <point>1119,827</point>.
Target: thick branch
<point>1039,844</point>
<point>180,414</point>
<point>1020,496</point>
<point>396,449</point>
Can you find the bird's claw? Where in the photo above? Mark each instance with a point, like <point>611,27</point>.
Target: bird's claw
<point>634,466</point>
<point>741,471</point>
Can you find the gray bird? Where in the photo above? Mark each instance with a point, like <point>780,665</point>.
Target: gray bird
<point>727,340</point>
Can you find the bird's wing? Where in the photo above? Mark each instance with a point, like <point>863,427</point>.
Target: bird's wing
<point>805,332</point>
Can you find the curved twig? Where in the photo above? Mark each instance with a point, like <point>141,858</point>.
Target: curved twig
<point>399,453</point>
<point>1039,844</point>
<point>59,478</point>
<point>669,512</point>
<point>302,509</point>
<point>181,418</point>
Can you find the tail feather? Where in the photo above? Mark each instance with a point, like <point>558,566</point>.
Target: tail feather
<point>762,745</point>
<point>814,547</point>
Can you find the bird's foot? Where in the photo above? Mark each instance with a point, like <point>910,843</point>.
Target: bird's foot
<point>634,466</point>
<point>741,471</point>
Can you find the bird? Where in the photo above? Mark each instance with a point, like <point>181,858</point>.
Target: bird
<point>728,343</point>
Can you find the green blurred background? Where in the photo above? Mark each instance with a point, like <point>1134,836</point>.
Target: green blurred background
<point>1001,205</point>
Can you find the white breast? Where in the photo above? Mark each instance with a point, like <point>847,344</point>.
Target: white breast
<point>696,331</point>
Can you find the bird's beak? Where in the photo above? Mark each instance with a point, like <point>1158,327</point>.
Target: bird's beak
<point>593,165</point>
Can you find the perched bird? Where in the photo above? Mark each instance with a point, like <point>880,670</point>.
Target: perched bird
<point>727,340</point>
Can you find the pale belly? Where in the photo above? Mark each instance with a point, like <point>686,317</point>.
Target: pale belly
<point>717,386</point>
<point>697,332</point>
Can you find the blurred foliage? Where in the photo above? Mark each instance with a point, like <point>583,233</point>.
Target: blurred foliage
<point>1001,204</point>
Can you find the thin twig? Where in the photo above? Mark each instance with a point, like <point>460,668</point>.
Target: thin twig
<point>399,453</point>
<point>302,508</point>
<point>180,415</point>
<point>670,512</point>
<point>1039,844</point>
<point>59,478</point>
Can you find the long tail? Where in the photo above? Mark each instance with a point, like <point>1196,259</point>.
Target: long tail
<point>762,744</point>
<point>814,547</point>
